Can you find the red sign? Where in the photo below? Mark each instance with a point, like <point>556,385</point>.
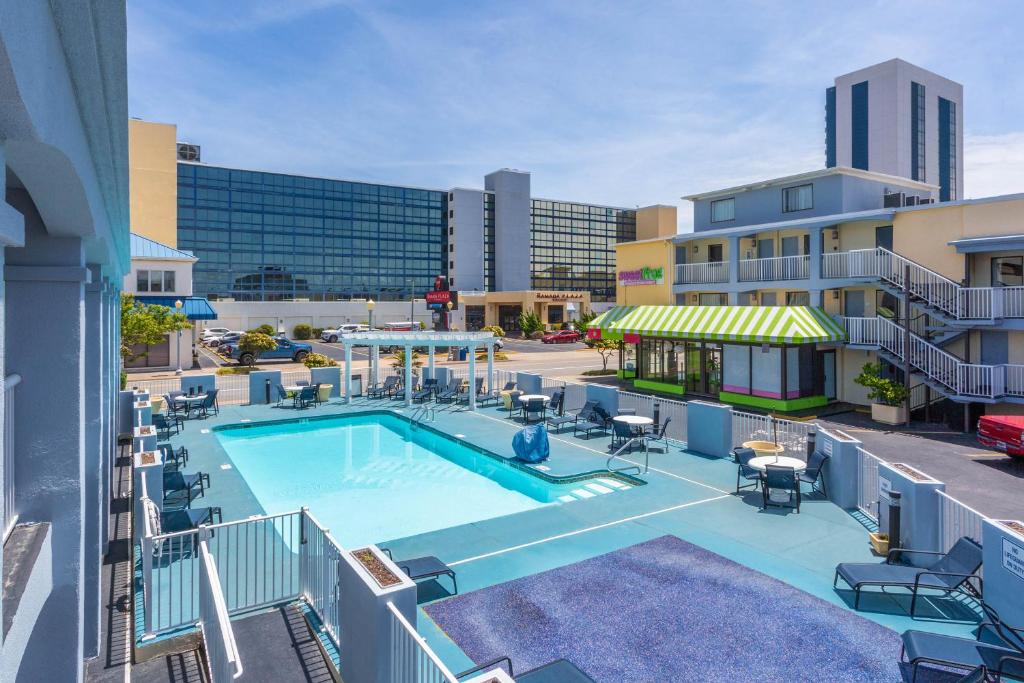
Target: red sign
<point>594,333</point>
<point>440,299</point>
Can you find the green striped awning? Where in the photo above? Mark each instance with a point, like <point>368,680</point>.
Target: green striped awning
<point>601,326</point>
<point>752,324</point>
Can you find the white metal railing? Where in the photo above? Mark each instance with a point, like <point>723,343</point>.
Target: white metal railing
<point>319,581</point>
<point>231,389</point>
<point>957,520</point>
<point>702,273</point>
<point>867,483</point>
<point>789,434</point>
<point>775,268</point>
<point>644,405</point>
<point>224,663</point>
<point>412,660</point>
<point>10,481</point>
<point>1015,380</point>
<point>1013,301</point>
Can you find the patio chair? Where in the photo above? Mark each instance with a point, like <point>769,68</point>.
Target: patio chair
<point>745,472</point>
<point>555,404</point>
<point>535,406</point>
<point>302,383</point>
<point>950,573</point>
<point>780,478</point>
<point>191,518</point>
<point>164,423</point>
<point>383,390</point>
<point>178,458</point>
<point>597,421</point>
<point>621,434</point>
<point>316,394</point>
<point>813,474</point>
<point>659,435</point>
<point>282,395</point>
<point>176,482</point>
<point>511,400</point>
<point>559,421</point>
<point>509,386</point>
<point>172,402</point>
<point>429,386</point>
<point>304,397</point>
<point>558,671</point>
<point>450,392</point>
<point>1002,659</point>
<point>477,387</point>
<point>626,411</point>
<point>426,567</point>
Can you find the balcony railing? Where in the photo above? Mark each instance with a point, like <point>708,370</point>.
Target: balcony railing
<point>776,268</point>
<point>10,492</point>
<point>711,272</point>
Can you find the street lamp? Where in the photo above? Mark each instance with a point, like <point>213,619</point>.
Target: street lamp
<point>448,317</point>
<point>370,305</point>
<point>177,308</point>
<point>412,300</point>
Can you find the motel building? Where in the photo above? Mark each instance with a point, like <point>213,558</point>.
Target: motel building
<point>783,312</point>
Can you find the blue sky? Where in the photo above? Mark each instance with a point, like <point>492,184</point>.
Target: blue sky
<point>608,102</point>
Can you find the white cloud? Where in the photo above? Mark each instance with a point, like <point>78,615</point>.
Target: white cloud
<point>993,164</point>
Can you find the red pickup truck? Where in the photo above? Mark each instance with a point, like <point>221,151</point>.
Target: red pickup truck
<point>1003,433</point>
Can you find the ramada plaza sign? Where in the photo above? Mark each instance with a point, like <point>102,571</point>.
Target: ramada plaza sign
<point>642,276</point>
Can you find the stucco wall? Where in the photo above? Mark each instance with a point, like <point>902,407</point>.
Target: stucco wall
<point>153,178</point>
<point>653,254</point>
<point>182,276</point>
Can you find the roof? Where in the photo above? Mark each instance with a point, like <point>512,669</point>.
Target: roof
<point>751,324</point>
<point>971,245</point>
<point>811,175</point>
<point>194,307</point>
<point>807,223</point>
<point>143,247</point>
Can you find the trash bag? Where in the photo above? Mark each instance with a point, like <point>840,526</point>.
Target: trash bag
<point>531,444</point>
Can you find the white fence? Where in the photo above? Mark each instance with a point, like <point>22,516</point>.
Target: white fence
<point>215,623</point>
<point>789,434</point>
<point>318,574</point>
<point>412,660</point>
<point>775,268</point>
<point>702,273</point>
<point>867,483</point>
<point>957,520</point>
<point>231,389</point>
<point>672,412</point>
<point>10,488</point>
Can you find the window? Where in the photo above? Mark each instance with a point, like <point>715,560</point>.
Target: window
<point>714,253</point>
<point>556,315</point>
<point>947,150</point>
<point>830,127</point>
<point>142,281</point>
<point>917,146</point>
<point>799,198</point>
<point>715,299</point>
<point>168,280</point>
<point>723,210</point>
<point>798,299</point>
<point>859,125</point>
<point>1008,271</point>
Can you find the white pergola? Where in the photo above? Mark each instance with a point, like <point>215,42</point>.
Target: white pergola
<point>409,340</point>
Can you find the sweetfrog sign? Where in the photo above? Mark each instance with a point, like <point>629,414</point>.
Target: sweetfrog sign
<point>641,276</point>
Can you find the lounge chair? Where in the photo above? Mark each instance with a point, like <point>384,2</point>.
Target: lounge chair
<point>384,390</point>
<point>1002,659</point>
<point>477,387</point>
<point>429,386</point>
<point>193,485</point>
<point>559,421</point>
<point>164,423</point>
<point>598,420</point>
<point>813,474</point>
<point>745,472</point>
<point>427,567</point>
<point>184,520</point>
<point>509,386</point>
<point>555,404</point>
<point>304,397</point>
<point>179,457</point>
<point>511,400</point>
<point>780,478</point>
<point>535,406</point>
<point>450,392</point>
<point>950,573</point>
<point>558,671</point>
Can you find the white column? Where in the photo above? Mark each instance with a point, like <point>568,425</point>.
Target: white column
<point>348,372</point>
<point>472,376</point>
<point>374,358</point>
<point>408,375</point>
<point>430,360</point>
<point>490,368</point>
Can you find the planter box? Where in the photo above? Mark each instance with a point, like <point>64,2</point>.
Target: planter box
<point>879,543</point>
<point>890,415</point>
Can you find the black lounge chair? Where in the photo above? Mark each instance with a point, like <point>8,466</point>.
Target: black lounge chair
<point>813,474</point>
<point>387,389</point>
<point>597,421</point>
<point>555,404</point>
<point>164,423</point>
<point>450,392</point>
<point>780,478</point>
<point>193,485</point>
<point>509,386</point>
<point>427,567</point>
<point>304,397</point>
<point>1002,659</point>
<point>951,573</point>
<point>184,520</point>
<point>429,386</point>
<point>558,671</point>
<point>178,457</point>
<point>745,472</point>
<point>557,422</point>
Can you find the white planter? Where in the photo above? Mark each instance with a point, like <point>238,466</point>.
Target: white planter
<point>890,415</point>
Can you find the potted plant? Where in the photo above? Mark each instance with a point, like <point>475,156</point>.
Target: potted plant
<point>888,396</point>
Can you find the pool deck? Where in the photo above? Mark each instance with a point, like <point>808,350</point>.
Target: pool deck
<point>684,494</point>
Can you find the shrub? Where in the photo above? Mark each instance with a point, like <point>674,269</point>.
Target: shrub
<point>234,370</point>
<point>530,323</point>
<point>255,343</point>
<point>303,331</point>
<point>398,359</point>
<point>124,380</point>
<point>537,334</point>
<point>597,373</point>
<point>881,389</point>
<point>319,360</point>
<point>496,329</point>
<point>423,325</point>
<point>265,329</point>
<point>317,331</point>
<point>498,355</point>
<point>580,324</point>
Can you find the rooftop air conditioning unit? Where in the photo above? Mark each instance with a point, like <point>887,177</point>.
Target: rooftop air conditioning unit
<point>892,200</point>
<point>911,200</point>
<point>187,152</point>
<point>925,200</point>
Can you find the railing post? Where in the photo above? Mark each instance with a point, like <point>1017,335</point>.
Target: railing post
<point>147,587</point>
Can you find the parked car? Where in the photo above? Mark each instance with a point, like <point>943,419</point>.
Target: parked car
<point>1002,433</point>
<point>338,332</point>
<point>211,332</point>
<point>286,350</point>
<point>226,338</point>
<point>561,337</point>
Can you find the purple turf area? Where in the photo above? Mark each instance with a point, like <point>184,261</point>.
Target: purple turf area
<point>667,610</point>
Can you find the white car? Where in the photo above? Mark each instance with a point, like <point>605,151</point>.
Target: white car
<point>337,333</point>
<point>215,341</point>
<point>211,332</point>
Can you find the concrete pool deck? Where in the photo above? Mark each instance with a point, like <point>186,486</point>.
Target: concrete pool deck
<point>686,495</point>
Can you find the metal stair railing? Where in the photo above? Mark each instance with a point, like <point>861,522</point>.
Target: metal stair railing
<point>632,465</point>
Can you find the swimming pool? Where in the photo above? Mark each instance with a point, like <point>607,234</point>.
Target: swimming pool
<point>373,478</point>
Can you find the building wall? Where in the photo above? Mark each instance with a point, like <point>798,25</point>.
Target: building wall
<point>284,315</point>
<point>650,254</point>
<point>466,239</point>
<point>182,276</point>
<point>656,221</point>
<point>153,178</point>
<point>512,228</point>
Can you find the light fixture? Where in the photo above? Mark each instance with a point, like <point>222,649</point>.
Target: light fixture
<point>371,304</point>
<point>178,304</point>
<point>695,249</point>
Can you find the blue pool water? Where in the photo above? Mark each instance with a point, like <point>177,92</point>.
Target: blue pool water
<point>374,478</point>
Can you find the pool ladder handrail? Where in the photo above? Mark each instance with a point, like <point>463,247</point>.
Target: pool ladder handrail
<point>422,414</point>
<point>616,454</point>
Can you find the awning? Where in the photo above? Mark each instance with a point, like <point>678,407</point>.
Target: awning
<point>751,324</point>
<point>601,326</point>
<point>194,307</point>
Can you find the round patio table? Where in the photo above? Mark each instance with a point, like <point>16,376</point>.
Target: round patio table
<point>530,397</point>
<point>760,463</point>
<point>637,423</point>
<point>292,389</point>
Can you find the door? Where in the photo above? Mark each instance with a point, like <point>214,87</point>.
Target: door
<point>853,303</point>
<point>883,237</point>
<point>765,248</point>
<point>714,253</point>
<point>995,347</point>
<point>791,246</point>
<point>712,369</point>
<point>769,299</point>
<point>508,317</point>
<point>829,373</point>
<point>692,352</point>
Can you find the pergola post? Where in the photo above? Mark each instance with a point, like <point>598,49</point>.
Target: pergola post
<point>472,376</point>
<point>430,360</point>
<point>490,368</point>
<point>374,360</point>
<point>348,372</point>
<point>408,375</point>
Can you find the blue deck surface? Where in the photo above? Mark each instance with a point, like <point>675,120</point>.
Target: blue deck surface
<point>685,495</point>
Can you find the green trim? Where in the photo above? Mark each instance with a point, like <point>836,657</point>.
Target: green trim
<point>784,405</point>
<point>627,374</point>
<point>663,387</point>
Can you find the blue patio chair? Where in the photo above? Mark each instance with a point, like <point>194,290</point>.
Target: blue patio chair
<point>316,394</point>
<point>450,393</point>
<point>426,567</point>
<point>178,458</point>
<point>172,402</point>
<point>476,387</point>
<point>659,435</point>
<point>164,423</point>
<point>304,397</point>
<point>191,518</point>
<point>193,485</point>
<point>745,472</point>
<point>555,404</point>
<point>621,434</point>
<point>950,573</point>
<point>509,386</point>
<point>598,420</point>
<point>780,478</point>
<point>535,406</point>
<point>584,413</point>
<point>1003,659</point>
<point>558,671</point>
<point>428,389</point>
<point>383,390</point>
<point>813,474</point>
<point>282,395</point>
<point>302,383</point>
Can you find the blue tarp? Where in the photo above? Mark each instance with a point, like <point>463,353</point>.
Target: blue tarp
<point>531,444</point>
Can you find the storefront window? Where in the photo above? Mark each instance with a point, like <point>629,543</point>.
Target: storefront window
<point>556,315</point>
<point>474,318</point>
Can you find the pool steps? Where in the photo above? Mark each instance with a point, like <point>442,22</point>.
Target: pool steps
<point>600,487</point>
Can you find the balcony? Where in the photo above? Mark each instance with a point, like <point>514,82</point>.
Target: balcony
<point>776,268</point>
<point>711,272</point>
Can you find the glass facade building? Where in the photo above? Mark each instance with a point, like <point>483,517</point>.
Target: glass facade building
<point>859,125</point>
<point>270,236</point>
<point>572,246</point>
<point>947,150</point>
